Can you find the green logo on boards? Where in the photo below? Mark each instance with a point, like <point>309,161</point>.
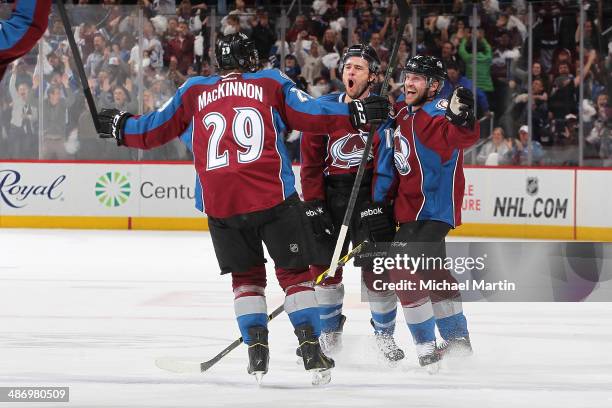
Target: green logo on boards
<point>113,189</point>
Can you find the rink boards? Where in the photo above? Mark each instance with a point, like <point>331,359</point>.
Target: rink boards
<point>547,203</point>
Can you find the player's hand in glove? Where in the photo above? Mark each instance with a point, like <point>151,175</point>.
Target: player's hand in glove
<point>369,110</point>
<point>112,122</point>
<point>320,219</point>
<point>460,109</point>
<point>377,221</point>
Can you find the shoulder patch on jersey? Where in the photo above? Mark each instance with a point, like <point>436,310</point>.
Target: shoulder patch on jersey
<point>442,104</point>
<point>436,107</point>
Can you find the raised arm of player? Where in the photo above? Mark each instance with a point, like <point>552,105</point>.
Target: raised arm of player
<point>154,128</point>
<point>303,112</point>
<point>22,30</point>
<point>440,132</point>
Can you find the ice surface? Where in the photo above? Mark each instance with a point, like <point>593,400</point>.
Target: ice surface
<point>93,310</point>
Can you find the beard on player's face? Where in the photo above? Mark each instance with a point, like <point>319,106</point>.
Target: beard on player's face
<point>417,90</point>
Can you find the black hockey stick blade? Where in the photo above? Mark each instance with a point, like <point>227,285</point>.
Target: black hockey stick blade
<point>186,366</point>
<point>79,64</point>
<point>176,365</point>
<point>404,12</point>
<point>207,364</point>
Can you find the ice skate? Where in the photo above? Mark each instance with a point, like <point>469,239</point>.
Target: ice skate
<point>331,342</point>
<point>428,355</point>
<point>315,361</point>
<point>455,348</point>
<point>387,347</point>
<point>259,353</point>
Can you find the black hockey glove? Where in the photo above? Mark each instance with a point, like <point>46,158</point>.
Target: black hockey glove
<point>460,109</point>
<point>112,122</point>
<point>319,217</point>
<point>377,221</point>
<point>371,109</point>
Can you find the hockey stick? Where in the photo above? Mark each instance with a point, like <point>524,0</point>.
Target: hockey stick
<point>183,366</point>
<point>341,262</point>
<point>404,11</point>
<point>79,64</point>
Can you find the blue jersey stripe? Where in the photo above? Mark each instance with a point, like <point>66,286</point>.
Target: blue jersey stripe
<point>446,190</point>
<point>298,100</point>
<point>286,172</point>
<point>14,29</point>
<point>155,119</point>
<point>385,167</point>
<point>438,180</point>
<point>187,139</point>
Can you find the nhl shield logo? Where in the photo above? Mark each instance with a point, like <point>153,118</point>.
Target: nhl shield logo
<point>294,248</point>
<point>532,186</point>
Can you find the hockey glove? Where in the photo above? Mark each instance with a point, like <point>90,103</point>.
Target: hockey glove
<point>112,122</point>
<point>377,221</point>
<point>460,109</point>
<point>320,219</point>
<point>371,109</point>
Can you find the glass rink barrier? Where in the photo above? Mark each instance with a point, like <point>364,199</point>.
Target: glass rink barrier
<point>541,85</point>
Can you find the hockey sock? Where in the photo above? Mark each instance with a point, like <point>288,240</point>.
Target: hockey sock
<point>329,299</point>
<point>249,300</point>
<point>420,320</point>
<point>300,301</point>
<point>450,319</point>
<point>383,306</point>
<point>330,295</point>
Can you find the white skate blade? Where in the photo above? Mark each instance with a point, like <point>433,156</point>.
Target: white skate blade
<point>320,377</point>
<point>178,366</point>
<point>258,376</point>
<point>432,368</point>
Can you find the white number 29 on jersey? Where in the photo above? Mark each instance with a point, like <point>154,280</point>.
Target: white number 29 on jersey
<point>248,132</point>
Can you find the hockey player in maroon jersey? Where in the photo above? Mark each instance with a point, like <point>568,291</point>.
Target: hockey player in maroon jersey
<point>328,169</point>
<point>429,139</point>
<point>238,119</point>
<point>22,30</point>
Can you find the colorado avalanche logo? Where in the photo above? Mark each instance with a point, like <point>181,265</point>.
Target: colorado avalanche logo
<point>347,150</point>
<point>442,104</point>
<point>401,152</point>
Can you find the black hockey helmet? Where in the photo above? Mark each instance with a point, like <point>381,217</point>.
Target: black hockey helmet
<point>429,66</point>
<point>362,51</point>
<point>236,51</point>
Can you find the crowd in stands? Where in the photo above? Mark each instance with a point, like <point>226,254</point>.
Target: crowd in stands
<point>43,115</point>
